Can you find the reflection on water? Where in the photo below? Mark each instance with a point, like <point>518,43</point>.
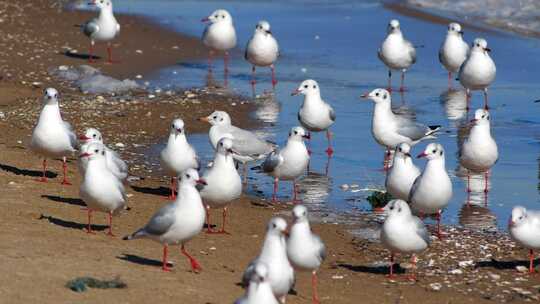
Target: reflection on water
<point>315,189</point>
<point>455,103</point>
<point>268,108</point>
<point>476,216</point>
<point>477,181</point>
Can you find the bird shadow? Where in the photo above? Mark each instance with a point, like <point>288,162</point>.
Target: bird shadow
<point>65,200</point>
<point>81,56</point>
<point>372,269</point>
<point>142,260</point>
<point>161,191</point>
<point>70,224</point>
<point>26,172</point>
<point>504,265</point>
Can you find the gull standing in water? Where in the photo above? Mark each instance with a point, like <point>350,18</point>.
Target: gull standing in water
<point>246,145</point>
<point>259,290</point>
<point>179,221</point>
<point>479,151</point>
<point>289,163</point>
<point>262,50</point>
<point>100,189</point>
<point>219,35</point>
<point>524,227</point>
<point>389,129</point>
<point>315,115</point>
<point>478,71</point>
<point>402,174</point>
<point>432,190</point>
<point>274,255</point>
<point>397,53</point>
<point>178,155</point>
<point>453,51</point>
<point>115,163</point>
<point>103,28</point>
<point>223,184</point>
<point>305,250</point>
<point>402,232</point>
<point>53,137</point>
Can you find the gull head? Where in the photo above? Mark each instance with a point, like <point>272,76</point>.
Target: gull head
<point>480,45</point>
<point>455,28</point>
<point>224,145</point>
<point>518,217</point>
<point>403,150</point>
<point>397,207</point>
<point>177,126</point>
<point>393,26</point>
<point>91,135</point>
<point>101,4</point>
<point>378,96</point>
<point>263,27</point>
<point>300,213</point>
<point>260,274</point>
<point>191,177</point>
<point>433,151</point>
<point>50,96</point>
<point>307,87</point>
<point>94,151</point>
<point>277,225</point>
<point>481,117</point>
<point>298,133</point>
<point>217,118</point>
<point>219,16</point>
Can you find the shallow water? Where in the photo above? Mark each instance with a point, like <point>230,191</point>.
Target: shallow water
<point>336,45</point>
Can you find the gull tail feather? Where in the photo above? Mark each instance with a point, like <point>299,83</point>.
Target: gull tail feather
<point>136,235</point>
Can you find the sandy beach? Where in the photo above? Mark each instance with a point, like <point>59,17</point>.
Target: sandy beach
<point>43,244</point>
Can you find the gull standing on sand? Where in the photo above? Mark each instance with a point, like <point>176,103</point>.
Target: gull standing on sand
<point>479,151</point>
<point>389,129</point>
<point>262,50</point>
<point>223,184</point>
<point>397,53</point>
<point>115,163</point>
<point>288,163</point>
<point>53,137</point>
<point>259,290</point>
<point>453,51</point>
<point>100,189</point>
<point>478,71</point>
<point>103,28</point>
<point>402,174</point>
<point>179,221</point>
<point>432,190</point>
<point>524,227</point>
<point>305,249</point>
<point>246,145</point>
<point>219,35</point>
<point>315,115</point>
<point>274,255</point>
<point>178,155</point>
<point>402,232</point>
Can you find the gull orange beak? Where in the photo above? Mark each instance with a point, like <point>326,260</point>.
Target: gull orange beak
<point>205,19</point>
<point>85,154</point>
<point>295,92</point>
<point>84,137</point>
<point>205,119</point>
<point>423,154</point>
<point>510,222</point>
<point>201,181</point>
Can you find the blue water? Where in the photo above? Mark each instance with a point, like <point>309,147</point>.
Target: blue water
<point>336,44</point>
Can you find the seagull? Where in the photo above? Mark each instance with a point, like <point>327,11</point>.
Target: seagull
<point>274,254</point>
<point>290,162</point>
<point>178,155</point>
<point>389,129</point>
<point>246,145</point>
<point>114,162</point>
<point>259,290</point>
<point>219,35</point>
<point>179,221</point>
<point>100,189</point>
<point>262,50</point>
<point>478,71</point>
<point>524,227</point>
<point>432,190</point>
<point>453,51</point>
<point>315,115</point>
<point>479,151</point>
<point>103,28</point>
<point>402,174</point>
<point>305,250</point>
<point>53,137</point>
<point>224,185</point>
<point>402,232</point>
<point>397,53</point>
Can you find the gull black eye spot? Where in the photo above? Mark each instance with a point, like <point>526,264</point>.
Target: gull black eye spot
<point>400,150</point>
<point>306,86</point>
<point>434,151</point>
<point>377,94</point>
<point>216,16</point>
<point>188,176</point>
<point>385,96</point>
<point>94,136</point>
<point>441,153</point>
<point>215,117</point>
<point>274,225</point>
<point>314,86</point>
<point>96,151</point>
<point>391,207</point>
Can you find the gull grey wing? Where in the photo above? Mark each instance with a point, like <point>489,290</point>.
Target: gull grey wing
<point>421,230</point>
<point>248,273</point>
<point>72,136</point>
<point>332,113</point>
<point>118,161</point>
<point>440,56</point>
<point>161,221</point>
<point>413,189</point>
<point>90,28</point>
<point>379,54</point>
<point>322,248</point>
<point>412,52</point>
<point>247,143</point>
<point>271,162</point>
<point>412,129</point>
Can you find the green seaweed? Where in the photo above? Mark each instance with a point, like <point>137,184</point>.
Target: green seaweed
<point>81,284</point>
<point>379,199</point>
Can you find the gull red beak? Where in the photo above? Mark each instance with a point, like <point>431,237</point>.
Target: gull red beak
<point>85,154</point>
<point>201,181</point>
<point>205,19</point>
<point>423,154</point>
<point>295,92</point>
<point>307,136</point>
<point>92,2</point>
<point>84,137</point>
<point>474,120</point>
<point>510,222</point>
<point>365,95</point>
<point>205,119</point>
<point>487,49</point>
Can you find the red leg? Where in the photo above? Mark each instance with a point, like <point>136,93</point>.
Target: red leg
<point>43,178</point>
<point>195,267</point>
<point>391,274</point>
<point>89,227</point>
<point>91,56</point>
<point>412,276</point>
<point>468,94</point>
<point>468,181</point>
<point>389,88</point>
<point>64,167</point>
<point>210,60</point>
<point>274,80</point>
<point>402,87</point>
<point>295,199</point>
<point>486,181</point>
<point>253,79</point>
<point>531,261</point>
<point>449,80</point>
<point>274,195</point>
<point>223,231</point>
<point>165,261</point>
<point>110,233</point>
<point>172,196</point>
<point>329,150</point>
<point>208,225</point>
<point>314,289</point>
<point>226,68</point>
<point>245,174</point>
<point>439,233</point>
<point>386,162</point>
<point>486,106</point>
<point>309,143</point>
